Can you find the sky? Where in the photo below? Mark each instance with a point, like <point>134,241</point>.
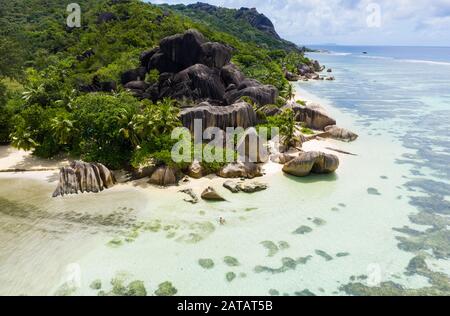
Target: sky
<point>352,22</point>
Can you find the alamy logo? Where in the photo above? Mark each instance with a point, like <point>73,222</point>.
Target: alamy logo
<point>374,18</point>
<point>74,17</point>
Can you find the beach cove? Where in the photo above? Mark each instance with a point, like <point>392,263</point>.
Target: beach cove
<point>301,236</point>
<point>139,232</point>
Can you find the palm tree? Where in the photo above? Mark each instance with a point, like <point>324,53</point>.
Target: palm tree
<point>155,120</point>
<point>288,128</point>
<point>132,128</point>
<point>289,92</point>
<point>167,115</point>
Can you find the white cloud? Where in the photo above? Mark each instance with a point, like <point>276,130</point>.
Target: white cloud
<point>403,22</point>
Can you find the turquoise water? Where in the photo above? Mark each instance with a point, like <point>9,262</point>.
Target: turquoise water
<point>412,54</point>
<point>361,227</point>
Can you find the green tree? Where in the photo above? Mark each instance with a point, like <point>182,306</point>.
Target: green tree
<point>288,127</point>
<point>99,124</point>
<point>63,128</point>
<point>11,58</point>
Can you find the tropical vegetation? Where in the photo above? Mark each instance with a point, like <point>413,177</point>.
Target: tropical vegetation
<point>42,68</point>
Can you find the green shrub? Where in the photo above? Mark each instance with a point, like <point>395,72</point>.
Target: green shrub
<point>32,130</point>
<point>98,121</point>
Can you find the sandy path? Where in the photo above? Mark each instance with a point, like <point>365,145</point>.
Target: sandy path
<point>20,160</point>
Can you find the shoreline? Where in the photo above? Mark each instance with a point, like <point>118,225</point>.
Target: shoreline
<point>22,164</point>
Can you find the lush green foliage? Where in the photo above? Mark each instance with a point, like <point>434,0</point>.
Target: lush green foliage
<point>51,116</point>
<point>287,125</point>
<point>225,19</point>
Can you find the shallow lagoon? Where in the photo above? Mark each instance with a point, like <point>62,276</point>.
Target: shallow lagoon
<point>149,234</point>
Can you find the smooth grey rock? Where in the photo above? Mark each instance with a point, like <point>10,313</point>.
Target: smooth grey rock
<point>240,170</point>
<point>83,177</point>
<point>164,176</point>
<point>211,195</point>
<point>282,158</point>
<point>312,162</point>
<point>239,114</point>
<point>196,170</point>
<point>193,197</point>
<point>232,186</point>
<point>340,133</point>
<point>252,187</point>
<point>313,115</point>
<point>259,93</point>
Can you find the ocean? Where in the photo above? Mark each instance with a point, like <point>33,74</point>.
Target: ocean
<point>351,233</point>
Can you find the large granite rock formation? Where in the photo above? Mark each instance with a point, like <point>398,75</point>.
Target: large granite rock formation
<point>260,94</point>
<point>313,115</point>
<point>239,114</point>
<point>83,177</point>
<point>192,68</point>
<point>197,82</point>
<point>164,176</point>
<point>312,162</point>
<point>340,133</point>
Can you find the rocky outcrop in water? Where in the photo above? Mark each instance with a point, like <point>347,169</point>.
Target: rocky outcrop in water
<point>193,197</point>
<point>312,162</point>
<point>340,133</point>
<point>246,187</point>
<point>211,195</point>
<point>84,177</point>
<point>232,186</point>
<point>239,114</point>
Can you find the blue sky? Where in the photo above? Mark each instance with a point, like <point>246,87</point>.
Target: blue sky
<point>353,22</point>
